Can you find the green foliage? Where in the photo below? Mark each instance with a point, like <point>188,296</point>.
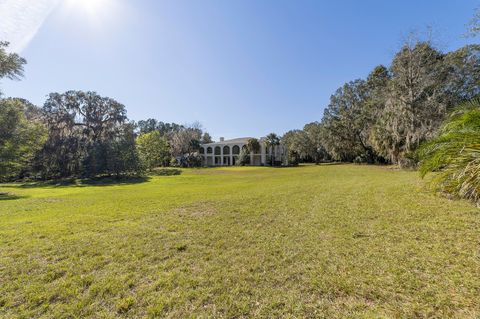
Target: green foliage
<point>11,64</point>
<point>122,156</point>
<point>185,145</point>
<point>454,155</point>
<point>173,162</point>
<point>165,129</point>
<point>313,143</point>
<point>191,160</point>
<point>295,141</point>
<point>346,122</point>
<point>271,141</point>
<point>253,145</point>
<point>474,24</point>
<point>206,138</point>
<point>463,68</point>
<point>416,103</point>
<point>153,150</point>
<point>165,171</point>
<point>20,137</point>
<point>88,135</point>
<point>386,117</point>
<point>243,157</point>
<point>306,145</point>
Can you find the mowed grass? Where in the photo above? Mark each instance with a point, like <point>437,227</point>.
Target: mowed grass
<point>329,241</point>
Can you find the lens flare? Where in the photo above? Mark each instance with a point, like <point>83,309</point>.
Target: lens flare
<point>93,9</point>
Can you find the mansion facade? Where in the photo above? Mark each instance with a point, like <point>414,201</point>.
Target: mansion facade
<point>225,153</point>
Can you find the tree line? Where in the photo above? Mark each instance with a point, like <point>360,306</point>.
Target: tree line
<point>387,116</point>
<point>82,134</point>
<point>384,118</point>
<point>452,156</point>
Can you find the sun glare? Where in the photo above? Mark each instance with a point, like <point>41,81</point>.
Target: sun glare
<point>92,6</point>
<point>94,9</point>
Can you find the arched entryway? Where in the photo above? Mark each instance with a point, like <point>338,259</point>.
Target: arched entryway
<point>218,157</point>
<point>226,155</point>
<point>235,152</point>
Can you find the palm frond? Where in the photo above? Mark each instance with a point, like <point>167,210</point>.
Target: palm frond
<point>454,156</point>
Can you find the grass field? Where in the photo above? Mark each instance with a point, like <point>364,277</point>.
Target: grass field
<point>330,241</point>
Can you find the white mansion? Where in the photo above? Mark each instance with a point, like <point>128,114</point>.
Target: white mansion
<point>225,152</point>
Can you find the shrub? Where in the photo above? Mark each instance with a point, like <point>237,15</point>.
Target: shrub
<point>243,157</point>
<point>173,162</point>
<point>191,160</point>
<point>153,149</point>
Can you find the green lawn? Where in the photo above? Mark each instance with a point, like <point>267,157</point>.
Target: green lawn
<point>312,241</point>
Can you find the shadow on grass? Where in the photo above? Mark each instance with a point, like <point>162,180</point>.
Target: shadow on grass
<point>331,163</point>
<point>308,165</point>
<point>98,181</point>
<point>9,196</point>
<point>166,172</point>
<point>108,181</point>
<point>283,166</point>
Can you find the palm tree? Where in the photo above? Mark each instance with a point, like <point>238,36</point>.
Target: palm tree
<point>455,154</point>
<point>253,145</point>
<point>272,140</point>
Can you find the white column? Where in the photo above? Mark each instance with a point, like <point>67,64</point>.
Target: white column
<point>274,153</point>
<point>221,155</point>
<point>263,153</point>
<point>204,156</point>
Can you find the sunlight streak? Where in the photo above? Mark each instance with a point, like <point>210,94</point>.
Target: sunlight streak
<point>96,11</point>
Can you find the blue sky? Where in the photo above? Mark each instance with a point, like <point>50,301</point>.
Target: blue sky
<point>241,68</point>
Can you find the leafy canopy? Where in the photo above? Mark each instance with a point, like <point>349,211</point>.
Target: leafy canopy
<point>20,137</point>
<point>153,149</point>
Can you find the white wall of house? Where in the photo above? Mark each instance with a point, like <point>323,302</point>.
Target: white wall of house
<point>225,153</point>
